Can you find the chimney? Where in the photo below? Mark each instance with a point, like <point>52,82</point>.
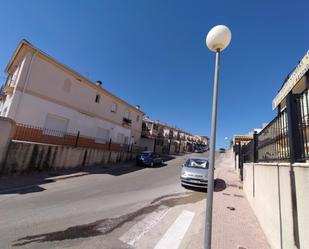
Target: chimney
<point>98,83</point>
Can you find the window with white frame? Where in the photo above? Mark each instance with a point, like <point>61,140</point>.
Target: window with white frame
<point>114,107</point>
<point>67,85</point>
<point>102,135</point>
<point>120,138</point>
<point>127,114</point>
<point>126,140</point>
<point>5,111</point>
<point>55,125</point>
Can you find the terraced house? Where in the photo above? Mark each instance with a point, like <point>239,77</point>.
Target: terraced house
<point>40,92</point>
<point>166,139</point>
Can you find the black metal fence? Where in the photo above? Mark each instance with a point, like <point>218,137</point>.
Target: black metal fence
<point>285,138</point>
<point>248,151</point>
<point>302,102</point>
<point>273,141</point>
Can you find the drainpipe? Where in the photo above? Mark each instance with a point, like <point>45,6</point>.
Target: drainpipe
<point>25,83</point>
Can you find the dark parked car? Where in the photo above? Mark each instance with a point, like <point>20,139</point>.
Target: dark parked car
<point>222,150</point>
<point>200,149</point>
<point>149,158</point>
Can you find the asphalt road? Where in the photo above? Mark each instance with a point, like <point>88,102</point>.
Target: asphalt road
<point>98,206</point>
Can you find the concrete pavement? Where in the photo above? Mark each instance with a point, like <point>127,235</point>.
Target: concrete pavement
<point>234,223</point>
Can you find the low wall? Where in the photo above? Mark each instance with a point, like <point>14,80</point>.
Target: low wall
<point>22,157</point>
<point>268,189</point>
<point>7,129</point>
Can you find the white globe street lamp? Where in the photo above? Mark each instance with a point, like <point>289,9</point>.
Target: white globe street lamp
<point>218,38</point>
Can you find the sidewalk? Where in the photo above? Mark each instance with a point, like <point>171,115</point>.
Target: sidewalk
<point>234,223</point>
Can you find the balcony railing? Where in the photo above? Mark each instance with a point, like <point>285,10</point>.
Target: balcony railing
<point>146,133</point>
<point>127,122</point>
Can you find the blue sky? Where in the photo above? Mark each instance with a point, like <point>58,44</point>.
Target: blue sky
<point>153,53</point>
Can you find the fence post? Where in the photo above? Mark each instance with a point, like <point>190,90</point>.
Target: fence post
<point>77,138</point>
<point>110,144</point>
<point>241,160</point>
<point>296,147</point>
<point>239,154</point>
<point>255,151</point>
<point>294,134</point>
<point>154,145</point>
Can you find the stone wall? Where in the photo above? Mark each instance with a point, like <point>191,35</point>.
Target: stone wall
<point>25,156</point>
<point>20,156</point>
<point>7,129</point>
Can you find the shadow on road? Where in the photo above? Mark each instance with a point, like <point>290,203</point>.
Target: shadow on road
<point>168,158</point>
<point>29,182</point>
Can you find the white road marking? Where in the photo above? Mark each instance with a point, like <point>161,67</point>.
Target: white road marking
<point>142,227</point>
<point>174,235</point>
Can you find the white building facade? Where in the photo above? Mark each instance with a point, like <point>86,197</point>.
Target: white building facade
<point>42,92</point>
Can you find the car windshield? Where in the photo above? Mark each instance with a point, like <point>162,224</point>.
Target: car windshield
<point>145,154</point>
<point>197,163</point>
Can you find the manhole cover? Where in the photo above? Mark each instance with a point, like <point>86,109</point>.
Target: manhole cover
<point>241,247</point>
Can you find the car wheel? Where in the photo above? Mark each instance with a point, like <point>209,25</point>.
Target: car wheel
<point>215,183</point>
<point>162,162</point>
<point>151,164</point>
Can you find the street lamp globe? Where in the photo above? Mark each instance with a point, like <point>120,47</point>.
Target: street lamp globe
<point>218,38</point>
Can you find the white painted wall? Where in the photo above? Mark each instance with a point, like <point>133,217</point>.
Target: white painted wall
<point>47,79</point>
<point>33,111</point>
<point>8,108</point>
<point>271,201</point>
<point>52,89</point>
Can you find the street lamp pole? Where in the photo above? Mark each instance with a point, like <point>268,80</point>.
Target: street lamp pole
<point>217,40</point>
<point>212,150</point>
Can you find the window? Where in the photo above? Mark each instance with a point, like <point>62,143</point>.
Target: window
<point>102,135</point>
<point>97,98</point>
<point>114,107</point>
<point>5,111</point>
<point>67,85</point>
<point>197,163</point>
<point>55,125</point>
<point>120,138</point>
<point>137,118</point>
<point>127,114</point>
<point>155,127</point>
